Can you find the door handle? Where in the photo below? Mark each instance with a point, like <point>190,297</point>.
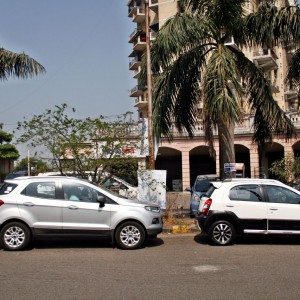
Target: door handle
<point>228,205</point>
<point>72,207</point>
<point>28,204</point>
<point>273,208</point>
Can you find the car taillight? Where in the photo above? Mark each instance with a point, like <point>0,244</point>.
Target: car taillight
<point>1,202</point>
<point>206,206</point>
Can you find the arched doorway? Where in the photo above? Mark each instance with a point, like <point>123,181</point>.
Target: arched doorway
<point>273,152</point>
<point>242,155</point>
<point>170,159</point>
<point>296,149</point>
<point>201,163</point>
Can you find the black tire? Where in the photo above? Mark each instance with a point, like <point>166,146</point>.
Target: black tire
<point>130,235</point>
<point>222,233</point>
<point>15,236</point>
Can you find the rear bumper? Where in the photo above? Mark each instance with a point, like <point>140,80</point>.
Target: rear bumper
<point>201,219</point>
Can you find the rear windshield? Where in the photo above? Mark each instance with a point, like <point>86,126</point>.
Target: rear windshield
<point>7,188</point>
<point>210,190</point>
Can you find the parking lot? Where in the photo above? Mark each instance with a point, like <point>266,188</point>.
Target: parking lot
<point>170,267</point>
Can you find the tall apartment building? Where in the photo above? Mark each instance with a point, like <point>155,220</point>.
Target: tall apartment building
<point>186,158</point>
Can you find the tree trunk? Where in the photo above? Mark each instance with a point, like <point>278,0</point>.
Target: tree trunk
<point>226,145</point>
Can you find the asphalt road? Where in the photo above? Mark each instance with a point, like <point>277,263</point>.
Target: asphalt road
<point>170,267</point>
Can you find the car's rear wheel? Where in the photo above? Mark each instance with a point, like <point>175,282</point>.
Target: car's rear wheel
<point>15,236</point>
<point>130,235</point>
<point>222,233</point>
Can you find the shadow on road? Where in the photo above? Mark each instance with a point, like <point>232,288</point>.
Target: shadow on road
<point>255,240</point>
<point>61,243</point>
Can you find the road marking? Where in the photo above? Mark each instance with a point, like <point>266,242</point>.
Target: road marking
<point>207,268</point>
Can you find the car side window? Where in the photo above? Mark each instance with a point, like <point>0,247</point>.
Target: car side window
<point>7,188</point>
<point>79,192</point>
<point>278,194</point>
<point>40,190</point>
<point>249,192</point>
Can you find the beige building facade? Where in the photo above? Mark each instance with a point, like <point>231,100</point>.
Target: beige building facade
<point>186,158</point>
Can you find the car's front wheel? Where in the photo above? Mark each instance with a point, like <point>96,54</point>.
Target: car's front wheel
<point>15,236</point>
<point>130,235</point>
<point>222,233</point>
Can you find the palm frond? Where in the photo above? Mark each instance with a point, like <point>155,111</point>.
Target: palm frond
<point>293,76</point>
<point>221,89</point>
<point>261,24</point>
<point>269,120</point>
<point>176,93</point>
<point>178,35</point>
<point>18,65</point>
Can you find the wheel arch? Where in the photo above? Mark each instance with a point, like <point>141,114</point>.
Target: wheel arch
<point>226,216</point>
<point>16,220</point>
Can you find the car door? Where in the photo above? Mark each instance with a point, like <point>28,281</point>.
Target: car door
<point>246,201</point>
<point>283,210</point>
<point>40,207</point>
<point>82,213</point>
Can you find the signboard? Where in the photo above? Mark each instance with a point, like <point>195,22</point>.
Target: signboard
<point>229,167</point>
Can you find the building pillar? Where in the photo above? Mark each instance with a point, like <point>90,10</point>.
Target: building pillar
<point>254,161</point>
<point>288,151</point>
<point>185,167</point>
<point>217,149</point>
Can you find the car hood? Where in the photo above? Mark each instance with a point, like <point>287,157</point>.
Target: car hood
<point>134,202</point>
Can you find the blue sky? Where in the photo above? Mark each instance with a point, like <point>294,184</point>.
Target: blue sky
<point>84,47</point>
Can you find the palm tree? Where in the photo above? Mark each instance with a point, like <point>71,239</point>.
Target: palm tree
<point>192,62</point>
<point>18,65</point>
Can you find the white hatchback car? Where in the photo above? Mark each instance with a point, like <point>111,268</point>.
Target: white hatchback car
<point>248,206</point>
<point>31,207</point>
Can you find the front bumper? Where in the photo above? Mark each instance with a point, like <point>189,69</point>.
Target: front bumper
<point>154,231</point>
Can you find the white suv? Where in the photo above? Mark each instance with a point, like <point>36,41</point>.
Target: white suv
<point>248,206</point>
<point>31,207</point>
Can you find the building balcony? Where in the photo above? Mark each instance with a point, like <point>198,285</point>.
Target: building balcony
<point>141,102</point>
<point>265,59</point>
<point>291,98</point>
<point>137,91</point>
<point>230,42</point>
<point>138,14</point>
<point>139,43</point>
<point>134,63</point>
<point>136,32</point>
<point>153,5</point>
<point>137,72</point>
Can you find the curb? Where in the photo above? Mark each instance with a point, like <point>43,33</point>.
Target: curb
<point>180,229</point>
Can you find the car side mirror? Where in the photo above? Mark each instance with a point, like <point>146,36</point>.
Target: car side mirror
<point>101,200</point>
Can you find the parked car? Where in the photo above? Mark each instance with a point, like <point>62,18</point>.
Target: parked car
<point>31,207</point>
<point>120,186</point>
<point>16,174</point>
<point>248,206</point>
<point>200,187</point>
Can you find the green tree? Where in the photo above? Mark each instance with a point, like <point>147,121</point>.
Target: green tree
<point>192,62</point>
<point>37,165</point>
<point>77,145</point>
<point>7,150</point>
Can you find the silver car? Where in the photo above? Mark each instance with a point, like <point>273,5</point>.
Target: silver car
<point>31,207</point>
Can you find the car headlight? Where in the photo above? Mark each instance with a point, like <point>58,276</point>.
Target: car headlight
<point>153,208</point>
<point>196,198</point>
